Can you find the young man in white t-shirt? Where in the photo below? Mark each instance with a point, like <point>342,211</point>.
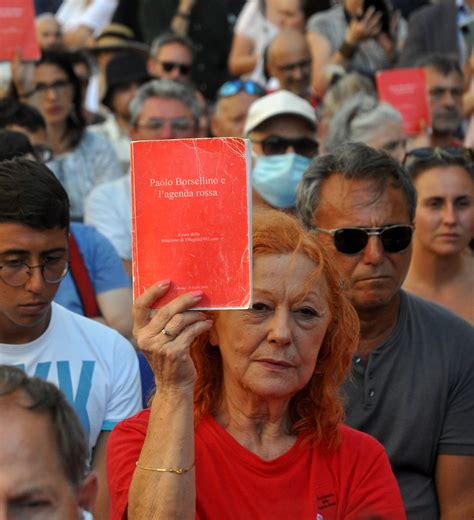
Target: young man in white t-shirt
<point>93,365</point>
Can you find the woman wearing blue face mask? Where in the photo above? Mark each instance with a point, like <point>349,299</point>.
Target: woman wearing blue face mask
<point>282,128</point>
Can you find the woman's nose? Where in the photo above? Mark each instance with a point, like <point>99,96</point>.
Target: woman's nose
<point>280,330</point>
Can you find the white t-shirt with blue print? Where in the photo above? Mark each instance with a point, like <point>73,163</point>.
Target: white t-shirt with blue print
<point>94,366</point>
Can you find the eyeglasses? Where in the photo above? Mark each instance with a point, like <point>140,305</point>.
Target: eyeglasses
<point>16,273</point>
<point>451,152</point>
<point>59,87</point>
<point>168,66</point>
<point>230,88</point>
<point>179,125</point>
<point>277,145</point>
<point>303,64</point>
<point>43,153</point>
<point>439,92</point>
<point>353,240</point>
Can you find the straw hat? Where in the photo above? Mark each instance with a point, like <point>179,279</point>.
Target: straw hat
<point>117,37</point>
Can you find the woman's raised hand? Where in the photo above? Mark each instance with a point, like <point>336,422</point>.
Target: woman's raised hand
<point>165,336</point>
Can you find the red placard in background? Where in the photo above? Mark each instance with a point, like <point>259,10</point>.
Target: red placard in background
<point>406,90</point>
<point>191,218</point>
<point>17,30</point>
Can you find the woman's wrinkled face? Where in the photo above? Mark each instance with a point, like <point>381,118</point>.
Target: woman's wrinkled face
<point>445,210</point>
<point>270,351</point>
<point>53,93</point>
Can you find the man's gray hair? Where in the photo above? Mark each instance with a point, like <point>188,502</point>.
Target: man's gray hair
<point>360,119</point>
<point>354,161</point>
<point>45,398</point>
<point>170,37</point>
<point>167,89</point>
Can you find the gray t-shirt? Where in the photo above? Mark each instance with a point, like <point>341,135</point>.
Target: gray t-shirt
<point>415,395</point>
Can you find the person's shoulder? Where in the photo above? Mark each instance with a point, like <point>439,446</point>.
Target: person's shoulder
<point>85,233</point>
<point>430,13</point>
<point>112,188</point>
<point>319,19</point>
<point>95,142</point>
<point>87,331</point>
<point>434,314</point>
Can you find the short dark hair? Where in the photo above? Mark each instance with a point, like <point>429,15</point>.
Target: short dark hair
<point>46,398</point>
<point>31,195</point>
<point>354,161</point>
<point>13,112</point>
<point>14,144</point>
<point>444,63</point>
<point>439,159</point>
<point>170,37</point>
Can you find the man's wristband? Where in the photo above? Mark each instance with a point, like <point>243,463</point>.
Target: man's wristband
<point>186,16</point>
<point>347,49</point>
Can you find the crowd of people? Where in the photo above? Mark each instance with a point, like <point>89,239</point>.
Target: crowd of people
<point>346,391</point>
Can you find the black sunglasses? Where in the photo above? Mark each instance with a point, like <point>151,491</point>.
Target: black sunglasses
<point>450,152</point>
<point>353,240</point>
<point>168,66</point>
<point>277,145</point>
<point>230,88</point>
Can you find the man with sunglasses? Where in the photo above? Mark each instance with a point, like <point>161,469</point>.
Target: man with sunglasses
<point>282,128</point>
<point>232,105</point>
<point>171,57</point>
<point>413,375</point>
<point>95,367</point>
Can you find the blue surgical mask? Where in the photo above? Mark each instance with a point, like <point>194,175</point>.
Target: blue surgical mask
<point>275,178</point>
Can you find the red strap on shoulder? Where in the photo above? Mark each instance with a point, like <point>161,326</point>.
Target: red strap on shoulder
<point>82,279</point>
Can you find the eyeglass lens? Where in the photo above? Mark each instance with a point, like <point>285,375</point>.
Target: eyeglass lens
<point>276,145</point>
<point>179,125</point>
<point>16,273</point>
<point>168,66</point>
<point>59,87</point>
<point>230,88</point>
<point>351,241</point>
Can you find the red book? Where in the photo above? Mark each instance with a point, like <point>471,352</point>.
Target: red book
<point>406,90</point>
<point>17,30</point>
<point>191,218</point>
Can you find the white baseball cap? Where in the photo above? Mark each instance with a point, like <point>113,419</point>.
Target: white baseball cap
<point>276,104</point>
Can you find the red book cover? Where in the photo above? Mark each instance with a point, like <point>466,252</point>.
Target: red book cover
<point>17,30</point>
<point>406,90</point>
<point>191,219</point>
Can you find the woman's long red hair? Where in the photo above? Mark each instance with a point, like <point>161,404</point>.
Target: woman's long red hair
<point>316,410</point>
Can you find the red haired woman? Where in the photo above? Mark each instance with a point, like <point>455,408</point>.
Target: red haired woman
<point>246,420</point>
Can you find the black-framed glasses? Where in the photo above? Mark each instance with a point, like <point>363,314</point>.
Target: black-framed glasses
<point>168,66</point>
<point>427,153</point>
<point>16,273</point>
<point>179,125</point>
<point>43,153</point>
<point>278,145</point>
<point>230,88</point>
<point>353,240</point>
<point>59,87</point>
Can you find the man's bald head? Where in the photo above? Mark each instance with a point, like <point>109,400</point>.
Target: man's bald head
<point>289,60</point>
<point>48,32</point>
